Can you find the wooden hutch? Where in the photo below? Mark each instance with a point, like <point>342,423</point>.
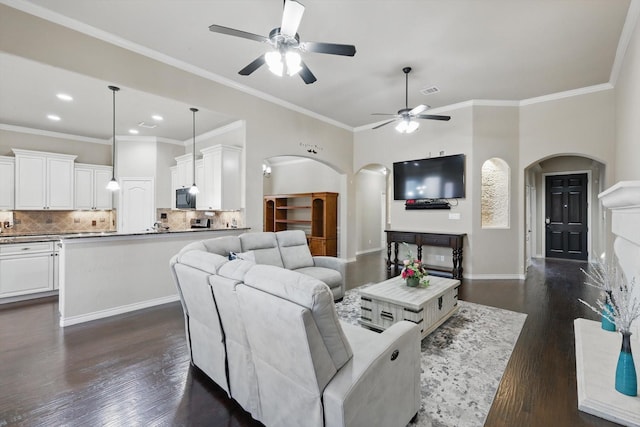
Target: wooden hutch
<point>314,213</point>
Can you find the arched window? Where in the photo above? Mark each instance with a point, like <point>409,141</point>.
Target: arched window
<point>495,194</point>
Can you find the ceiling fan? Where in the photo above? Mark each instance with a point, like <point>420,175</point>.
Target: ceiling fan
<point>286,45</point>
<point>406,116</point>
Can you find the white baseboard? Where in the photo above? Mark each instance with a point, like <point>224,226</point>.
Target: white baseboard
<point>494,276</point>
<point>368,251</point>
<point>82,318</point>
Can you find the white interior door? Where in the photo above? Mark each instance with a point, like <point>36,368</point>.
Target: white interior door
<point>137,205</point>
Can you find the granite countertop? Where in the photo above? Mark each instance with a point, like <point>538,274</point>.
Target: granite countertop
<point>27,238</point>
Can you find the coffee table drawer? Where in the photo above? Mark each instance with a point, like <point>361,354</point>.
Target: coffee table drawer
<point>379,314</point>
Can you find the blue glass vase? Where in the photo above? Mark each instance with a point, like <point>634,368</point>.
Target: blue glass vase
<point>626,376</point>
<point>607,324</point>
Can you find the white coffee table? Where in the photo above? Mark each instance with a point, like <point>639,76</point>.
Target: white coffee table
<point>388,302</point>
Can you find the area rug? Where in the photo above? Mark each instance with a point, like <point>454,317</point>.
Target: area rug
<point>462,361</point>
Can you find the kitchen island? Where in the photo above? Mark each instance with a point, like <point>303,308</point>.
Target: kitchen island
<point>109,274</point>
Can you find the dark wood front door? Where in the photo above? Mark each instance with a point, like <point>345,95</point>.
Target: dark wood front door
<point>566,216</point>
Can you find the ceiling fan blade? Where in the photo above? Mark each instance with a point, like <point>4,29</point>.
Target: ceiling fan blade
<point>306,74</point>
<point>255,64</point>
<point>432,117</point>
<point>237,33</point>
<point>330,48</point>
<point>384,114</point>
<point>291,17</point>
<point>384,124</point>
<point>419,109</point>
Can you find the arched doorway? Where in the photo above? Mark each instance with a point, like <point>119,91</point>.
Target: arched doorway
<point>555,202</point>
<point>372,207</point>
<point>297,175</point>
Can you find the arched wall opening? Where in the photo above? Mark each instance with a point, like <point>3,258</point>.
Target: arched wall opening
<point>536,226</point>
<point>288,174</point>
<point>495,193</point>
<point>372,207</point>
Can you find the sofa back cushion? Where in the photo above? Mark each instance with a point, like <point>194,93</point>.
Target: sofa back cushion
<point>222,245</point>
<point>309,293</point>
<point>264,246</point>
<point>294,250</point>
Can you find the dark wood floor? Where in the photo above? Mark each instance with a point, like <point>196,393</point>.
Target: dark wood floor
<point>134,370</point>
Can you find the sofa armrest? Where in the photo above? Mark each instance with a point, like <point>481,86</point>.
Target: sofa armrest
<point>333,263</point>
<point>380,385</point>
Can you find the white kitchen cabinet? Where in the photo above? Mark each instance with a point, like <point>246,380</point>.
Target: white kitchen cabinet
<point>222,174</point>
<point>26,268</point>
<point>7,189</point>
<point>90,187</point>
<point>200,201</point>
<point>174,185</point>
<point>43,180</point>
<point>184,170</point>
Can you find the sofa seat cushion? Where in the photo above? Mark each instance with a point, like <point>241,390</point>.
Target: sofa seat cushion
<point>264,246</point>
<point>331,278</point>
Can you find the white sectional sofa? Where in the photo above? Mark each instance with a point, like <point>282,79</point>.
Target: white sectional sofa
<point>271,338</point>
<point>286,249</point>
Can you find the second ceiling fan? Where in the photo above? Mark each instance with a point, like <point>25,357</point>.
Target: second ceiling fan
<point>286,44</point>
<point>406,117</point>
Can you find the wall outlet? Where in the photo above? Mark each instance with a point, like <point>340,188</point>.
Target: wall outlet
<point>455,215</point>
<point>93,222</point>
<point>440,257</point>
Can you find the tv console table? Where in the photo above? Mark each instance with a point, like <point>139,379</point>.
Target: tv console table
<point>453,241</point>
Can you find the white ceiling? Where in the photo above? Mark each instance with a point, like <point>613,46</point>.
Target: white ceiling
<point>470,49</point>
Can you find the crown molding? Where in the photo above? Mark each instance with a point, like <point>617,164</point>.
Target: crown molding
<point>40,132</point>
<point>238,124</point>
<point>567,94</point>
<point>625,38</point>
<point>89,30</point>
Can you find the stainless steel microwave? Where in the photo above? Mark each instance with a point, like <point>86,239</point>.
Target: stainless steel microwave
<point>184,199</point>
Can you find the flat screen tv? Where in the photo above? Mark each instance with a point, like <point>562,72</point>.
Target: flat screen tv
<point>433,178</point>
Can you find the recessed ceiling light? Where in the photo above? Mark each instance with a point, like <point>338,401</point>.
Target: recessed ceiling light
<point>64,97</point>
<point>53,117</point>
<point>134,131</point>
<point>157,118</point>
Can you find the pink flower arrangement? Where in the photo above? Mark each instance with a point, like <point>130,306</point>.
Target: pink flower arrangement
<point>414,268</point>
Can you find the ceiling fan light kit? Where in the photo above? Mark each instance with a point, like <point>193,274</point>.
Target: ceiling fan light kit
<point>286,45</point>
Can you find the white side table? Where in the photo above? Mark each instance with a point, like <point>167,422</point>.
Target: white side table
<point>597,354</point>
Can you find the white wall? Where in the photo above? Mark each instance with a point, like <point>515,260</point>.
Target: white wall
<point>87,152</point>
<point>302,175</point>
<point>495,134</point>
<point>627,92</point>
<point>371,185</point>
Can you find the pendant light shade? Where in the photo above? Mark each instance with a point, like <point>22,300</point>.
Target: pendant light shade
<point>113,184</point>
<point>194,187</point>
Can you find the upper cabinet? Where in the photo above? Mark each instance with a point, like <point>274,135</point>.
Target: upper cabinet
<point>184,171</point>
<point>91,187</point>
<point>218,176</point>
<point>7,191</point>
<point>221,183</point>
<point>43,180</point>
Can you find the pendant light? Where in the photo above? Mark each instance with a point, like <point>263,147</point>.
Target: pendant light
<point>194,187</point>
<point>113,184</point>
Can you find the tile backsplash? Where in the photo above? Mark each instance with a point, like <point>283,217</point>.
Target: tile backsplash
<point>180,219</point>
<point>57,222</point>
<point>61,222</point>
